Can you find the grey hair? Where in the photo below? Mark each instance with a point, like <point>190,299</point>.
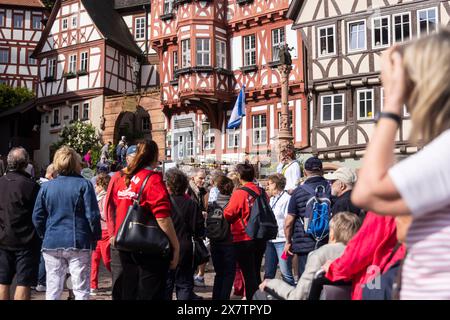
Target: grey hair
<point>194,171</point>
<point>18,159</point>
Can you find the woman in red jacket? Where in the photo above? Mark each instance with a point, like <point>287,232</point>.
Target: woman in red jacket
<point>248,252</point>
<point>368,255</point>
<point>143,276</point>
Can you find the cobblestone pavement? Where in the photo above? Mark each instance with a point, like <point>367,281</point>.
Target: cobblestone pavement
<point>104,284</point>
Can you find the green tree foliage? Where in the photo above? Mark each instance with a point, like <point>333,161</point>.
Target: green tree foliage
<point>11,97</point>
<point>82,137</point>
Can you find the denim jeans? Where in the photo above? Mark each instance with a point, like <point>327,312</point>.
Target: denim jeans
<point>274,250</point>
<point>224,261</point>
<point>56,264</point>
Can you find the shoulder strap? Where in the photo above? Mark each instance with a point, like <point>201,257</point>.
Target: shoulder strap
<point>250,191</point>
<point>309,189</point>
<point>282,193</point>
<point>283,171</point>
<point>143,186</point>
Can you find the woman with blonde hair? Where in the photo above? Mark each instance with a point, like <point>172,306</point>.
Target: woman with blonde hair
<point>67,217</point>
<point>144,276</point>
<point>416,74</point>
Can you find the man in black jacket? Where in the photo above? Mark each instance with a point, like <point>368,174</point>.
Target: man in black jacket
<point>19,243</point>
<point>297,241</point>
<point>343,180</point>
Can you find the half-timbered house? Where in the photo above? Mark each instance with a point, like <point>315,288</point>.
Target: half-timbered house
<point>209,50</point>
<point>86,53</point>
<point>344,41</point>
<point>21,25</point>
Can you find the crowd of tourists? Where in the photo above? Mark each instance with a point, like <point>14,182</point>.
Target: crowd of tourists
<point>308,231</point>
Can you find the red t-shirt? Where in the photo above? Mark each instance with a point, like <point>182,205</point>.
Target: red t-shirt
<point>239,207</point>
<point>154,197</point>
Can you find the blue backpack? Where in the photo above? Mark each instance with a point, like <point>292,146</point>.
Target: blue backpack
<point>318,212</point>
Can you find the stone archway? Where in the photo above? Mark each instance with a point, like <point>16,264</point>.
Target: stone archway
<point>120,110</point>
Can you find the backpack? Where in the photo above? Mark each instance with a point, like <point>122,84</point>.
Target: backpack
<point>217,227</point>
<point>318,212</point>
<point>262,224</point>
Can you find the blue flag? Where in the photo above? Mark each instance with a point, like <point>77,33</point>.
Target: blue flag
<point>238,111</point>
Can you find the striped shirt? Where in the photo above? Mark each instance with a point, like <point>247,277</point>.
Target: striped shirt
<point>423,180</point>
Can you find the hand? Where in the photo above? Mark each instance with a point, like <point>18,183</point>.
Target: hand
<point>326,266</point>
<point>174,262</point>
<point>393,76</point>
<point>287,249</point>
<point>263,284</point>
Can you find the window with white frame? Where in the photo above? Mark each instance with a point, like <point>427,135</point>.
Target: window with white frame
<point>56,117</point>
<point>74,21</point>
<point>209,141</point>
<point>139,28</point>
<point>168,6</point>
<point>259,129</point>
<point>357,36</point>
<point>250,50</point>
<point>185,53</point>
<point>75,112</point>
<point>327,42</point>
<point>18,21</point>
<point>85,111</point>
<point>180,147</point>
<point>233,136</point>
<point>2,19</point>
<point>146,124</point>
<point>332,108</point>
<point>65,24</point>
<point>72,63</point>
<point>278,39</point>
<point>189,145</point>
<point>365,104</point>
<point>35,22</point>
<point>31,61</point>
<point>175,61</point>
<point>4,55</point>
<point>51,72</point>
<point>84,61</point>
<point>221,54</point>
<point>122,66</point>
<point>402,27</point>
<point>427,21</point>
<point>381,32</point>
<point>203,52</point>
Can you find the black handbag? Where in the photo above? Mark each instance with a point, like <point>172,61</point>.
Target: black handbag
<point>200,254</point>
<point>140,232</point>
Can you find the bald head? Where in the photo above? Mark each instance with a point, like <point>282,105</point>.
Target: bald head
<point>17,159</point>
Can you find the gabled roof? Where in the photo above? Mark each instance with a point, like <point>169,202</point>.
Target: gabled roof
<point>23,3</point>
<point>294,9</point>
<point>106,19</point>
<point>111,24</point>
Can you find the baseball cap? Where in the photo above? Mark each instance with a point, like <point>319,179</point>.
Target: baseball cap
<point>344,174</point>
<point>131,150</point>
<point>313,164</point>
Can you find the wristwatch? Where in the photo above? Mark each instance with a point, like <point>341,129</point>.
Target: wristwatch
<point>388,115</point>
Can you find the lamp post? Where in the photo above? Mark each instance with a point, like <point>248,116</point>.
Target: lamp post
<point>285,137</point>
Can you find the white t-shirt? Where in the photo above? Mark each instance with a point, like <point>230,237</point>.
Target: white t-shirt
<point>292,174</point>
<point>279,205</point>
<point>423,180</point>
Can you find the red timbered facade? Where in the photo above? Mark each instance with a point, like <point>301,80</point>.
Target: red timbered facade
<point>83,58</point>
<point>21,25</point>
<point>208,50</point>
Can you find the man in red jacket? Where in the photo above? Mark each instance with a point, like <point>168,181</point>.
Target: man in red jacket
<point>248,252</point>
<point>368,251</point>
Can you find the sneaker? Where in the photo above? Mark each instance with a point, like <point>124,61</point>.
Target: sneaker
<point>94,292</point>
<point>199,281</point>
<point>41,288</point>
